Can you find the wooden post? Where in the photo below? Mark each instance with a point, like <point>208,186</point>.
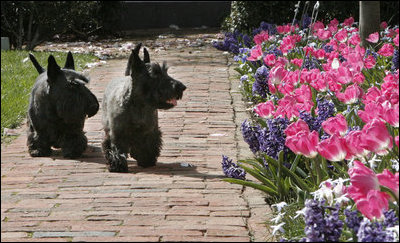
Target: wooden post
<point>369,19</point>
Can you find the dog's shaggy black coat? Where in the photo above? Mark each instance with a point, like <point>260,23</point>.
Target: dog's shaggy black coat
<point>59,104</point>
<point>130,117</point>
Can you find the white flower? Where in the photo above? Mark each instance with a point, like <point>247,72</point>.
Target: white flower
<point>278,218</point>
<point>341,199</point>
<point>301,212</point>
<point>276,228</point>
<point>335,63</point>
<point>279,206</point>
<point>395,232</point>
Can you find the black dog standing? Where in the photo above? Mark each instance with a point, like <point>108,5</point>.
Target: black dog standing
<point>59,104</point>
<point>130,117</point>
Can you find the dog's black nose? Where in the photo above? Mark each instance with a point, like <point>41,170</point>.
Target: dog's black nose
<point>181,87</point>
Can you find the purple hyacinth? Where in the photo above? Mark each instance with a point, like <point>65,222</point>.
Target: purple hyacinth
<point>233,41</point>
<point>250,135</point>
<point>315,221</point>
<point>273,50</point>
<point>326,109</point>
<point>306,21</point>
<point>327,48</point>
<point>264,26</point>
<point>333,225</point>
<point>373,232</point>
<point>242,55</point>
<point>370,52</point>
<point>310,63</point>
<point>353,219</point>
<point>272,138</point>
<point>321,226</point>
<point>390,218</point>
<point>260,85</point>
<point>395,60</point>
<point>231,169</point>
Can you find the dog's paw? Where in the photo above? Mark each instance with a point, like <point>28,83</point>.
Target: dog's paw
<point>40,152</point>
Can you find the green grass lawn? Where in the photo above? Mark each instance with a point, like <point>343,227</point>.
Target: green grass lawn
<point>17,78</point>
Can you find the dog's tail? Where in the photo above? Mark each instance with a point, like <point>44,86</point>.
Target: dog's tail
<point>39,68</point>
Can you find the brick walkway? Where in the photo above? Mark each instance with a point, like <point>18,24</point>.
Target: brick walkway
<point>181,199</point>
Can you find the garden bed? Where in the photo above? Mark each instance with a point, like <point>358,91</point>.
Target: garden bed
<point>324,130</point>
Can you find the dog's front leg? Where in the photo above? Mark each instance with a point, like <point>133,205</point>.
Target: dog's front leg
<point>115,156</point>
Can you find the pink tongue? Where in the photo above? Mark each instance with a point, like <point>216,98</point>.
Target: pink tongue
<point>173,102</point>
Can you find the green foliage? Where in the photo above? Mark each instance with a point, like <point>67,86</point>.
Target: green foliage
<point>17,78</point>
<point>32,22</point>
<point>247,15</point>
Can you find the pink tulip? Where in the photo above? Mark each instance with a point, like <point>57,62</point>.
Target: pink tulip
<point>386,50</point>
<point>261,37</point>
<point>375,136</point>
<point>373,38</point>
<point>335,125</point>
<point>359,78</point>
<point>341,35</point>
<point>350,95</point>
<point>372,95</point>
<point>353,145</point>
<point>396,40</point>
<point>384,25</point>
<point>387,179</point>
<point>304,143</point>
<point>349,21</point>
<point>396,141</point>
<point>374,204</point>
<point>369,62</point>
<point>255,53</point>
<point>277,74</point>
<point>287,107</point>
<point>318,25</point>
<point>344,75</point>
<point>362,179</point>
<point>303,94</point>
<point>297,61</point>
<point>296,127</point>
<point>355,62</point>
<point>371,111</point>
<point>265,110</point>
<point>391,113</point>
<point>333,148</point>
<point>355,39</point>
<point>269,60</point>
<point>365,190</point>
<point>324,34</point>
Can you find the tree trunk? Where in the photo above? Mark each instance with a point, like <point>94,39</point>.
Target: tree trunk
<point>369,19</point>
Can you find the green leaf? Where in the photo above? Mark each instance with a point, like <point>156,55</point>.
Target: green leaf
<point>295,177</point>
<point>259,177</point>
<point>252,184</point>
<point>390,192</point>
<point>239,70</point>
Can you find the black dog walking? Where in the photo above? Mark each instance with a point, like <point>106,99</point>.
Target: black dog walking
<point>130,116</point>
<point>59,104</point>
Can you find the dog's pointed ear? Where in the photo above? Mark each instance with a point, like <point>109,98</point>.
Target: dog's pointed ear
<point>53,69</point>
<point>69,63</point>
<point>146,57</point>
<point>129,66</point>
<point>39,68</point>
<point>136,64</point>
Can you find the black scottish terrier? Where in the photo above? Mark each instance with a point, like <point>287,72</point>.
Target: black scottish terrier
<point>59,104</point>
<point>130,116</point>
